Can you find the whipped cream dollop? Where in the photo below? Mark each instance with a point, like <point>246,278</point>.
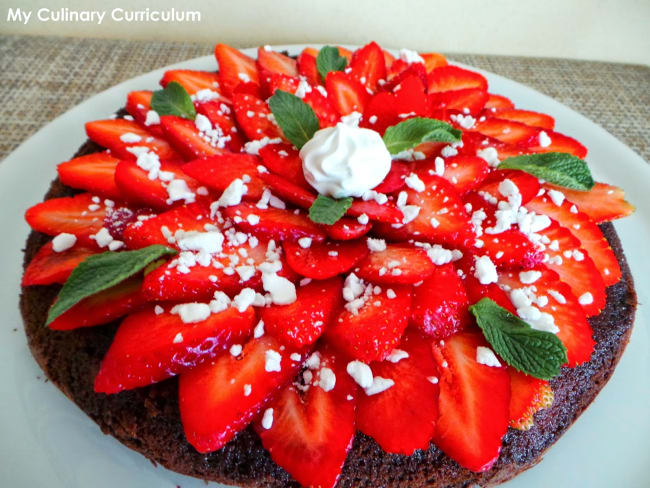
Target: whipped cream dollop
<point>345,160</point>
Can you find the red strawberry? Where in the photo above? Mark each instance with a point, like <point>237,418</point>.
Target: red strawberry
<point>312,432</point>
<point>284,160</point>
<point>588,233</point>
<point>138,104</point>
<point>394,180</point>
<point>184,135</point>
<point>380,112</point>
<point>48,266</point>
<point>150,347</point>
<point>221,115</point>
<point>94,173</point>
<point>445,78</point>
<point>403,418</point>
<point>440,202</point>
<point>415,69</point>
<point>510,249</point>
<point>346,229</point>
<point>234,68</point>
<point>439,307</point>
<point>347,94</point>
<point>507,131</point>
<point>433,61</point>
<point>368,66</point>
<point>302,322</point>
<point>559,143</point>
<point>377,327</point>
<point>269,62</point>
<point>221,397</point>
<point>528,396</point>
<point>473,403</point>
<point>110,134</point>
<point>79,215</point>
<point>527,184</point>
<point>217,172</point>
<point>191,217</point>
<point>103,307</point>
<point>193,80</point>
<point>389,59</point>
<point>137,187</point>
<point>463,172</point>
<point>398,263</point>
<point>498,102</point>
<point>323,108</point>
<point>472,99</point>
<point>475,291</point>
<point>569,317</point>
<point>324,260</point>
<point>410,98</point>
<point>253,116</point>
<point>534,119</point>
<point>274,223</point>
<point>601,204</point>
<point>307,66</point>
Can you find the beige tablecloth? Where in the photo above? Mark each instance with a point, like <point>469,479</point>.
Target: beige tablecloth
<point>42,77</point>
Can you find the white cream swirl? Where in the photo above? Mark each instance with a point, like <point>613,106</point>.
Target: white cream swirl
<point>345,161</point>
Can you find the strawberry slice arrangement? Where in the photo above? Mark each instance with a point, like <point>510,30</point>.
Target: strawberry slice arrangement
<point>432,305</point>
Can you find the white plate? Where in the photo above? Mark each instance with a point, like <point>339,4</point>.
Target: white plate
<point>47,441</point>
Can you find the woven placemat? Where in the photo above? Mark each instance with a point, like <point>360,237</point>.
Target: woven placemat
<point>42,77</point>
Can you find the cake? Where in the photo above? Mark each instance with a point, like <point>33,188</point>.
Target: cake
<point>348,269</point>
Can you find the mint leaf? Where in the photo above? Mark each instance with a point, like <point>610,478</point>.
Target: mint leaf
<point>328,60</point>
<point>534,352</point>
<point>102,271</point>
<point>326,210</point>
<point>173,100</point>
<point>296,119</point>
<point>411,132</point>
<point>561,169</point>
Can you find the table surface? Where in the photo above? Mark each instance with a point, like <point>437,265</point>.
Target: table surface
<point>42,77</point>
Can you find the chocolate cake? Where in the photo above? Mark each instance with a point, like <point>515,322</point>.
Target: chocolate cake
<point>147,419</point>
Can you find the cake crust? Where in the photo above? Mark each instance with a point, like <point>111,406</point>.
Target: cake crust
<point>147,419</point>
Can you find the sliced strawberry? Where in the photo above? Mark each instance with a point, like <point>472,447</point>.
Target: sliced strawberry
<point>528,396</point>
<point>528,117</point>
<point>324,260</point>
<point>433,60</point>
<point>137,187</point>
<point>394,180</point>
<point>302,322</point>
<point>473,403</point>
<point>380,112</point>
<point>527,184</point>
<point>93,172</point>
<point>284,160</point>
<point>81,215</point>
<point>159,228</point>
<point>475,291</point>
<point>254,117</point>
<point>189,141</point>
<point>588,233</point>
<point>220,115</point>
<point>389,59</point>
<point>463,172</point>
<point>217,172</point>
<point>376,328</point>
<point>445,78</point>
<point>510,249</point>
<point>568,316</point>
<point>386,212</point>
<point>48,266</point>
<point>221,397</point>
<point>411,98</point>
<point>113,133</point>
<point>575,267</point>
<point>469,100</point>
<point>439,307</point>
<point>601,204</point>
<point>498,102</point>
<point>440,202</point>
<point>507,131</point>
<point>138,104</point>
<point>193,80</point>
<point>269,62</point>
<point>274,223</point>
<point>398,263</point>
<point>103,307</point>
<point>234,68</point>
<point>312,432</point>
<point>289,192</point>
<point>403,418</point>
<point>346,229</point>
<point>323,108</point>
<point>368,66</point>
<point>347,94</point>
<point>413,69</point>
<point>307,66</point>
<point>559,143</point>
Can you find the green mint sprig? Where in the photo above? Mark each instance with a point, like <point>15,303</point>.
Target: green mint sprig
<point>561,169</point>
<point>173,100</point>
